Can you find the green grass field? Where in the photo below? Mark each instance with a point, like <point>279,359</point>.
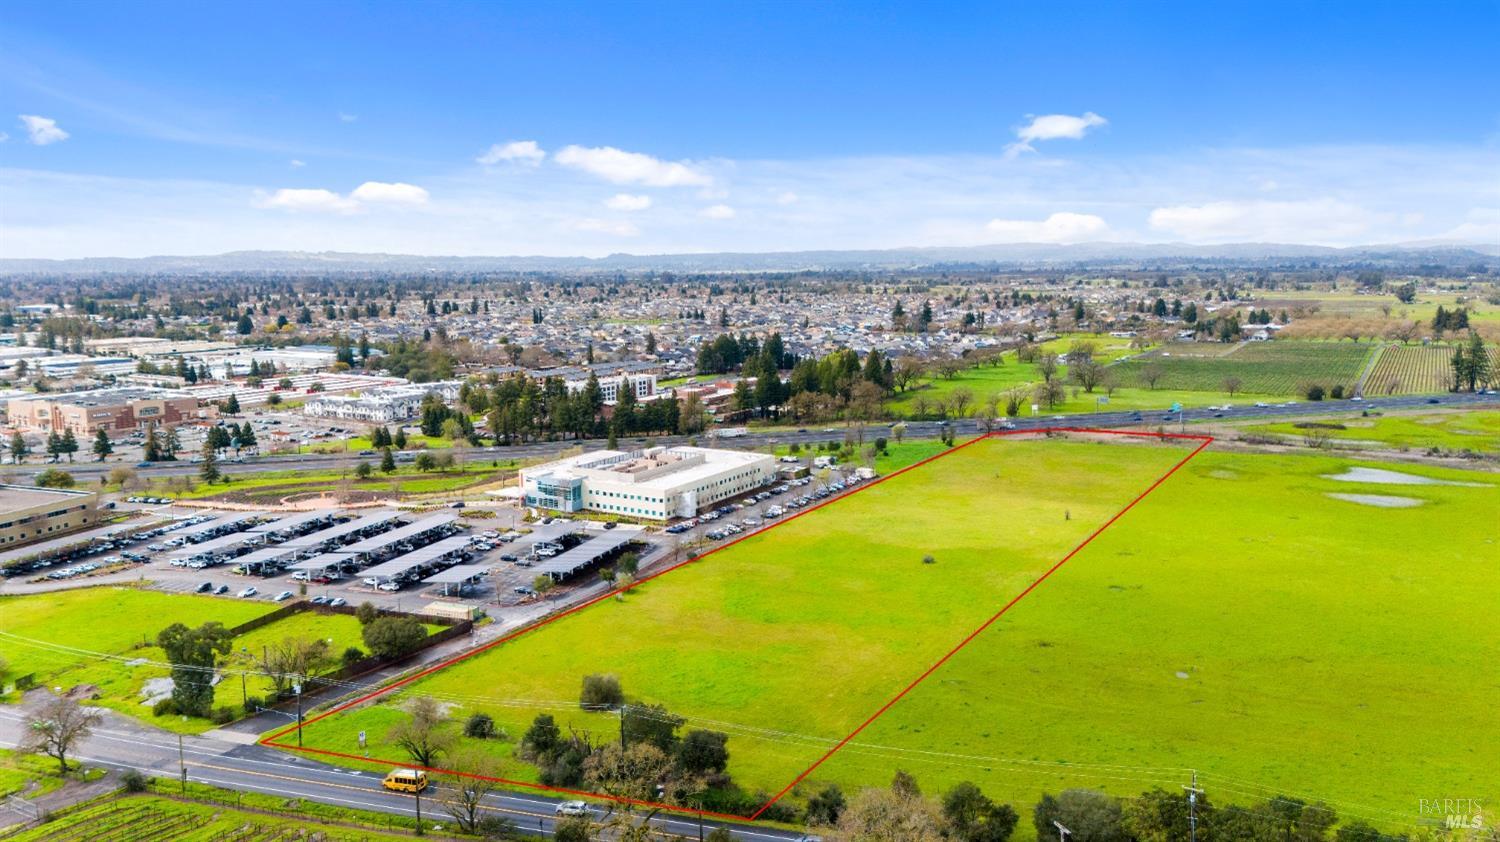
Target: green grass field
<point>1476,430</point>
<point>276,484</point>
<point>841,605</point>
<point>1239,622</point>
<point>69,619</point>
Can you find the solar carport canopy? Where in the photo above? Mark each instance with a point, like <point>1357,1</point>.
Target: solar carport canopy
<point>321,562</point>
<point>216,545</point>
<point>267,555</point>
<point>590,551</point>
<point>396,536</point>
<point>313,539</point>
<point>207,528</point>
<point>418,557</point>
<point>457,575</point>
<point>286,524</point>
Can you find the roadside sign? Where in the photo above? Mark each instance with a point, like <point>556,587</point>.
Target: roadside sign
<point>1176,407</point>
<point>361,739</point>
<point>1104,398</point>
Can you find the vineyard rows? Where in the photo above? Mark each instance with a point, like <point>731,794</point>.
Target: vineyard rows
<point>1416,370</point>
<point>1266,368</point>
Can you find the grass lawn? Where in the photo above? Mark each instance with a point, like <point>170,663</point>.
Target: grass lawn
<point>66,618</point>
<point>406,479</point>
<point>841,607</point>
<point>146,818</point>
<point>1477,430</point>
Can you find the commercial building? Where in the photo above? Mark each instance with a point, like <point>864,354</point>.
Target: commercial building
<point>29,514</point>
<point>113,410</point>
<point>655,484</point>
<point>381,406</point>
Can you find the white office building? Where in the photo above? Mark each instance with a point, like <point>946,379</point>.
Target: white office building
<point>644,386</point>
<point>381,406</point>
<point>655,484</point>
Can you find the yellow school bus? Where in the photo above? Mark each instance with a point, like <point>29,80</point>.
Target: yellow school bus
<point>405,780</point>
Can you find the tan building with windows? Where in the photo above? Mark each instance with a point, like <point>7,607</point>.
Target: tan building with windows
<point>29,513</point>
<point>114,410</point>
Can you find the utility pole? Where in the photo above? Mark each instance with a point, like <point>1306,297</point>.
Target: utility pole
<point>1062,832</point>
<point>182,764</point>
<point>1193,792</point>
<point>297,688</point>
<point>419,810</point>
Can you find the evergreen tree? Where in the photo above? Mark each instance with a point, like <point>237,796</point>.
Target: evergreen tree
<point>69,444</point>
<point>387,461</point>
<point>209,470</point>
<point>102,445</point>
<point>18,448</point>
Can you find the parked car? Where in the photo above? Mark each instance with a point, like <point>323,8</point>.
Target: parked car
<point>283,596</point>
<point>206,587</point>
<point>221,590</point>
<point>248,592</point>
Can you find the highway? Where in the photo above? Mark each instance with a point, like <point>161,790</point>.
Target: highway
<point>122,744</point>
<point>1148,419</point>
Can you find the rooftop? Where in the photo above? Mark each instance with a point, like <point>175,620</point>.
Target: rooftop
<point>14,498</point>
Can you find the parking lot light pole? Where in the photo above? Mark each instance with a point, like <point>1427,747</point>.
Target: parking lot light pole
<point>297,688</point>
<point>1062,832</point>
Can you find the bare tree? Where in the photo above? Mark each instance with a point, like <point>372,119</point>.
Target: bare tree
<point>1046,365</point>
<point>424,733</point>
<point>959,400</point>
<point>57,728</point>
<point>907,371</point>
<point>294,658</point>
<point>1231,384</point>
<point>1151,374</point>
<point>465,801</point>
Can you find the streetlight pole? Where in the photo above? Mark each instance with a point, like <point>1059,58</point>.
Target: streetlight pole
<point>297,688</point>
<point>1062,832</point>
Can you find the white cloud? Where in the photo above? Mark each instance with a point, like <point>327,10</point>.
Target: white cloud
<point>397,193</point>
<point>1053,127</point>
<point>298,164</point>
<point>787,198</point>
<point>4,137</point>
<point>346,117</point>
<point>306,199</point>
<point>1307,221</point>
<point>517,151</point>
<point>628,202</point>
<point>717,212</point>
<point>42,130</point>
<point>621,167</point>
<point>1062,227</point>
<point>318,200</point>
<point>605,226</point>
<point>1481,226</point>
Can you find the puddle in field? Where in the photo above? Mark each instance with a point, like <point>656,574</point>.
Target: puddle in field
<point>1380,476</point>
<point>1380,500</point>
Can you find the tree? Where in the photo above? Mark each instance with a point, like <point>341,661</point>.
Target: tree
<point>890,817</point>
<point>424,462</point>
<point>424,733</point>
<point>825,807</point>
<point>649,724</point>
<point>18,448</point>
<point>244,327</point>
<point>702,752</point>
<point>1086,372</point>
<point>542,739</point>
<point>601,692</point>
<point>576,829</point>
<point>1046,365</point>
<point>57,728</point>
<point>623,772</point>
<point>208,471</point>
<point>68,444</point>
<point>1151,374</point>
<point>1161,816</point>
<point>392,637</point>
<point>363,470</point>
<point>479,726</point>
<point>387,461</point>
<point>55,478</point>
<point>1092,816</point>
<point>1231,385</point>
<point>193,654</point>
<point>232,405</point>
<point>102,445</point>
<point>294,659</point>
<point>973,817</point>
<point>465,799</point>
<point>122,477</point>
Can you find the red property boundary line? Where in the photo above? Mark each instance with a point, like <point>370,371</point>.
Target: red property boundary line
<point>1203,440</point>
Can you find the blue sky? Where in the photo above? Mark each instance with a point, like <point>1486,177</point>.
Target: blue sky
<point>491,128</point>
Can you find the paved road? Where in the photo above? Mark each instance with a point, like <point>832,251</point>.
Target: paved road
<point>123,744</point>
<point>914,429</point>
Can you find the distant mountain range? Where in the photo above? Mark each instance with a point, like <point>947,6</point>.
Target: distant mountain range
<point>1016,255</point>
